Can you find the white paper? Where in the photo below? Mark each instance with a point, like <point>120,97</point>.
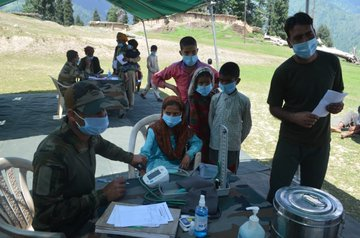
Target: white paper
<point>330,96</point>
<point>120,58</point>
<point>143,215</point>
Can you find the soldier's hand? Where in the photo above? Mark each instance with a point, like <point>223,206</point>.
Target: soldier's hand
<point>139,162</point>
<point>115,190</point>
<point>305,119</point>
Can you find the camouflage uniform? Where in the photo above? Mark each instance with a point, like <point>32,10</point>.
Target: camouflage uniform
<point>64,180</point>
<point>69,73</point>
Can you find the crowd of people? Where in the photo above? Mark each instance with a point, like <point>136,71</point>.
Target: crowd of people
<point>64,164</point>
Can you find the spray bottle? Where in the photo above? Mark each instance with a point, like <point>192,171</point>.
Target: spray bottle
<point>252,228</point>
<point>201,218</point>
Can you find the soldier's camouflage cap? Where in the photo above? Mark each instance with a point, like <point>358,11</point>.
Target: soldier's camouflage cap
<point>86,98</point>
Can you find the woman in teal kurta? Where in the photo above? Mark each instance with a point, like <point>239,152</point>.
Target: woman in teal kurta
<point>170,142</point>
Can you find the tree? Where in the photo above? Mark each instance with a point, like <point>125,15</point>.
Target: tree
<point>96,16</point>
<point>45,8</point>
<point>277,15</point>
<point>68,13</point>
<point>112,15</point>
<point>78,21</point>
<point>59,12</point>
<point>260,13</point>
<point>323,33</point>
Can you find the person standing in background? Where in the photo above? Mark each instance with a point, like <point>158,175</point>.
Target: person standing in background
<point>182,71</point>
<point>153,67</point>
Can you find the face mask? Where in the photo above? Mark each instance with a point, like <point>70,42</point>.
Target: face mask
<point>204,90</point>
<point>94,125</point>
<point>153,53</point>
<point>120,44</point>
<point>306,49</point>
<point>171,121</point>
<point>190,60</point>
<point>228,88</point>
<point>90,57</point>
<point>130,47</point>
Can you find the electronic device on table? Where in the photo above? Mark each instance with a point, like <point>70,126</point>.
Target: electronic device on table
<point>156,176</point>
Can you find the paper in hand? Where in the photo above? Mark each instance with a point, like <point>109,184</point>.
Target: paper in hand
<point>330,96</point>
<point>120,58</point>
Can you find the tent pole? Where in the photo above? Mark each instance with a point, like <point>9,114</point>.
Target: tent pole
<point>211,4</point>
<point>146,39</point>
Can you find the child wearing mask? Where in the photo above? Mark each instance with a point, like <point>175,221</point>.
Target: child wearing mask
<point>169,141</point>
<point>153,67</point>
<point>231,109</point>
<point>200,93</point>
<point>182,71</point>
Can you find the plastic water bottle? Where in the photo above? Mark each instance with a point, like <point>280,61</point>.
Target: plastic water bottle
<point>201,218</point>
<point>109,74</point>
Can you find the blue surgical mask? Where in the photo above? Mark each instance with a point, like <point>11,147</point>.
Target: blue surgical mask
<point>204,90</point>
<point>153,53</point>
<point>171,121</point>
<point>130,47</point>
<point>306,49</point>
<point>190,60</point>
<point>93,125</point>
<point>120,44</point>
<point>228,88</point>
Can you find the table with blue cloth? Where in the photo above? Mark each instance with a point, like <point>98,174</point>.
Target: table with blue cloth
<point>232,207</point>
<point>114,90</point>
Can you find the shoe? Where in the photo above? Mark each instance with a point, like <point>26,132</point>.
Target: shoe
<point>142,96</point>
<point>159,99</point>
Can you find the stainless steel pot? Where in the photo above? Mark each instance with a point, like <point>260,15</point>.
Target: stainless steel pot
<point>305,212</point>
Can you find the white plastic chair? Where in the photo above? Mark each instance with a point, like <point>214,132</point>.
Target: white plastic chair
<point>142,127</point>
<point>17,206</point>
<point>139,126</point>
<point>61,101</point>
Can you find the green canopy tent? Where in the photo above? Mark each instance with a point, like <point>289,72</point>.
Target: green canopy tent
<point>154,9</point>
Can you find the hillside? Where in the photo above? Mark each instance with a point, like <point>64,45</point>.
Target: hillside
<point>35,42</point>
<point>341,17</point>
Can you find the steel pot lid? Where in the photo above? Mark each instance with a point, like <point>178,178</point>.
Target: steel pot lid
<point>308,206</point>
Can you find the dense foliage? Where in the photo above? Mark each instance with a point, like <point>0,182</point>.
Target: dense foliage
<point>96,16</point>
<point>323,33</point>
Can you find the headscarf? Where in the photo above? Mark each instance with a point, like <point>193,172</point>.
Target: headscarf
<point>193,83</point>
<point>181,131</point>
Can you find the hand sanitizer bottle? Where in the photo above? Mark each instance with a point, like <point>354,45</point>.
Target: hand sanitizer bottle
<point>201,218</point>
<point>252,228</point>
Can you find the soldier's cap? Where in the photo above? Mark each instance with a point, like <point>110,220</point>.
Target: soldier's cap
<point>86,98</point>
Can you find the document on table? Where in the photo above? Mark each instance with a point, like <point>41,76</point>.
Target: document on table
<point>330,96</point>
<point>152,215</point>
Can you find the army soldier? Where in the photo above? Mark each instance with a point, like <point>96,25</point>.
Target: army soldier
<point>64,164</point>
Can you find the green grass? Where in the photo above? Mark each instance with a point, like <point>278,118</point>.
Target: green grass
<point>27,71</point>
<point>226,38</point>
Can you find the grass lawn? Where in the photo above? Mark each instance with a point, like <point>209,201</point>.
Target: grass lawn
<point>27,71</point>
